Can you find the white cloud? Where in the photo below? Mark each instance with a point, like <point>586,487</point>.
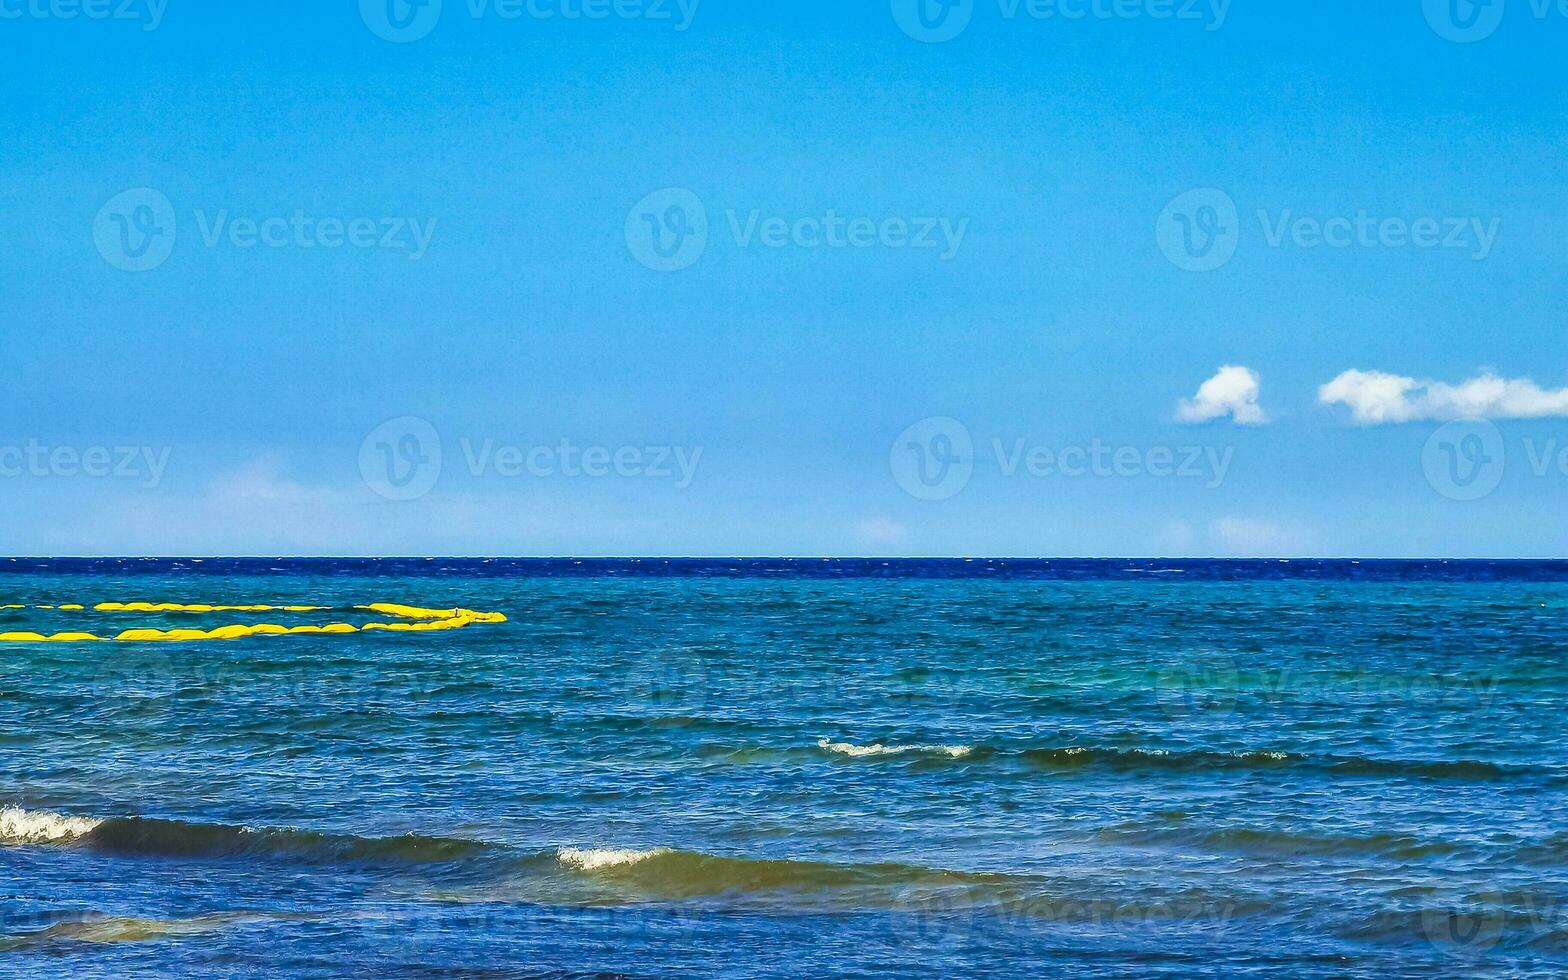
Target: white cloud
<point>1179,538</point>
<point>1253,538</point>
<point>1233,392</point>
<point>881,532</point>
<point>1377,398</point>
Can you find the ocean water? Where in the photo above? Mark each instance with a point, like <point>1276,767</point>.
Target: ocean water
<point>781,769</point>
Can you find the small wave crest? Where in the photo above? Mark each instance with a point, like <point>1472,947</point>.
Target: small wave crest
<point>1068,759</point>
<point>669,874</point>
<point>594,859</point>
<point>142,837</point>
<point>877,749</point>
<point>1071,758</point>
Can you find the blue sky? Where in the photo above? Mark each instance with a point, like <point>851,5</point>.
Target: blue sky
<point>266,267</point>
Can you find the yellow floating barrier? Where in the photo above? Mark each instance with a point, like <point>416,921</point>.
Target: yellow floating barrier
<point>157,607</point>
<point>413,619</point>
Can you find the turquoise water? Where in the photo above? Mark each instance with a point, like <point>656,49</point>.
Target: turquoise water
<point>794,768</point>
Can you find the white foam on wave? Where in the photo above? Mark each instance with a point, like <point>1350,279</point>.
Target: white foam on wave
<point>862,751</point>
<point>18,826</point>
<point>594,859</point>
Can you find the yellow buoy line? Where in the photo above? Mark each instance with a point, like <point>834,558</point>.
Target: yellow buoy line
<point>410,619</point>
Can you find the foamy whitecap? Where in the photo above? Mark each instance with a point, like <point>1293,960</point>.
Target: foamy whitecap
<point>18,826</point>
<point>862,751</point>
<point>593,859</point>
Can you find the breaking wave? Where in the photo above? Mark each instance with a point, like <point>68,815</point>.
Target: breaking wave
<point>878,749</point>
<point>18,826</point>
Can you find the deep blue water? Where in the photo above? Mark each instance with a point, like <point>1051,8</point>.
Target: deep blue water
<point>786,768</point>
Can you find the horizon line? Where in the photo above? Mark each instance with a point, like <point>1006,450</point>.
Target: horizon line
<point>881,558</point>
